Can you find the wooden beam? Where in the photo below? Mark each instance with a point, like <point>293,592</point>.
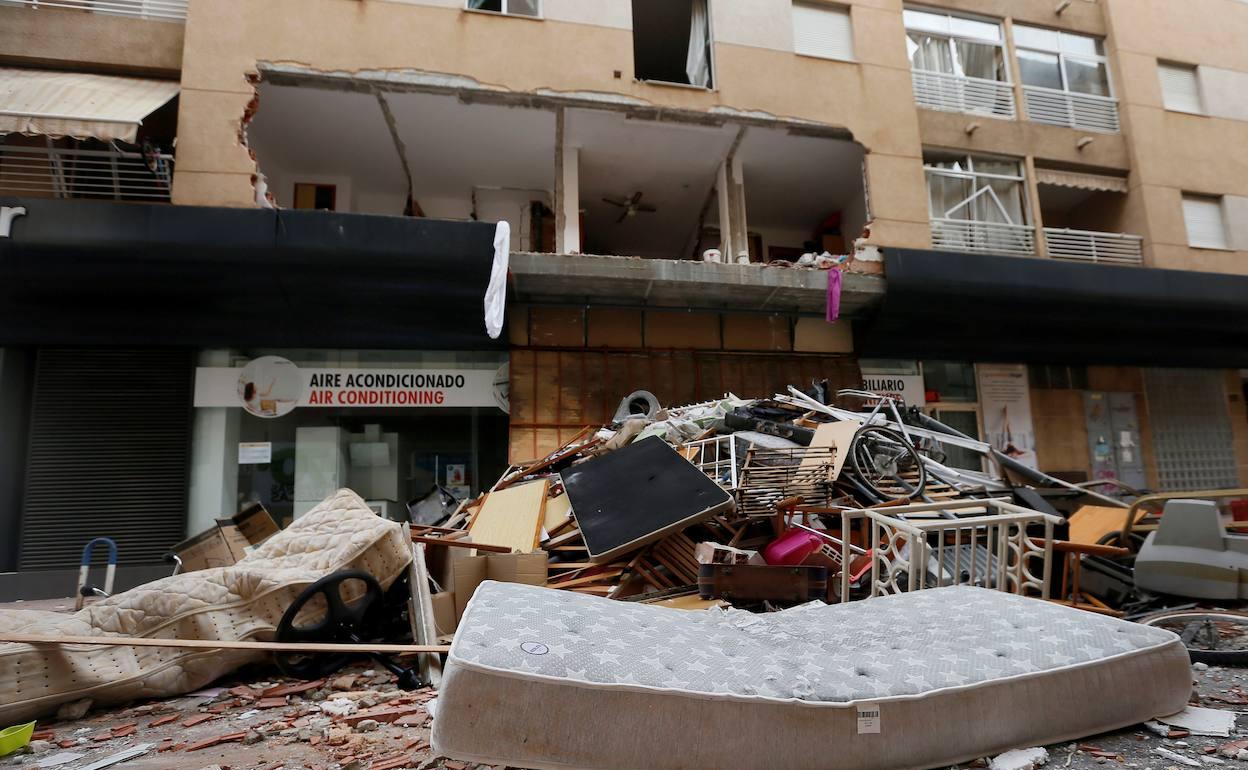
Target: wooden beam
<point>211,644</point>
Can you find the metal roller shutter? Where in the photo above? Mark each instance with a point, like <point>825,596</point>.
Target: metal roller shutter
<point>109,454</point>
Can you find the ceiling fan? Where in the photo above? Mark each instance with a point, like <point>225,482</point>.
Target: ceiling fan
<point>631,206</point>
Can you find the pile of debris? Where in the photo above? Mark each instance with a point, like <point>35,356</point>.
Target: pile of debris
<point>732,501</point>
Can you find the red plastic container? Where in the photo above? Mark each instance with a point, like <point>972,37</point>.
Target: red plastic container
<point>1239,510</point>
<point>792,548</point>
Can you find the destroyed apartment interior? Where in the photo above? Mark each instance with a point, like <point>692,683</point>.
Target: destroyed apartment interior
<point>623,384</point>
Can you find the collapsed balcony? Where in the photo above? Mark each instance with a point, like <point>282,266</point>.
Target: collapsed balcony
<point>571,177</point>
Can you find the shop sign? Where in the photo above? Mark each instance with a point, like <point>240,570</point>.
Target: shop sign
<point>903,387</point>
<point>1005,400</point>
<point>272,386</point>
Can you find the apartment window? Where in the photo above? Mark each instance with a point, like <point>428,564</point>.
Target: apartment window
<point>531,8</point>
<point>955,45</point>
<point>316,196</point>
<point>1065,79</point>
<point>958,64</point>
<point>978,204</point>
<point>1206,226</point>
<point>672,42</point>
<point>1062,61</point>
<point>822,30</point>
<point>1180,87</point>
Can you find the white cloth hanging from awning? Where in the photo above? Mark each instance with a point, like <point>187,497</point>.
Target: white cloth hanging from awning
<point>76,104</point>
<point>1081,180</point>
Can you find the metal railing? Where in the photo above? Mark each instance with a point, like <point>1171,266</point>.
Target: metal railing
<point>951,93</point>
<point>1064,108</point>
<point>164,10</point>
<point>983,237</point>
<point>106,174</point>
<point>1089,246</point>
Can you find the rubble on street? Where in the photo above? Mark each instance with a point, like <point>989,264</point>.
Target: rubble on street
<point>706,562</point>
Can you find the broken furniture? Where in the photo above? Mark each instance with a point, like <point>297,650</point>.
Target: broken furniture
<point>637,495</point>
<point>977,672</point>
<point>244,601</point>
<point>335,619</point>
<point>1142,513</point>
<point>749,583</point>
<point>1192,555</point>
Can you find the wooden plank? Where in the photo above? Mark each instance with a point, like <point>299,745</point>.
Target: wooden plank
<point>558,512</point>
<point>213,644</point>
<point>512,517</point>
<point>457,543</point>
<point>838,435</point>
<point>1092,522</point>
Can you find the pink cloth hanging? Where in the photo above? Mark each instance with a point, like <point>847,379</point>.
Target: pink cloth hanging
<point>834,295</point>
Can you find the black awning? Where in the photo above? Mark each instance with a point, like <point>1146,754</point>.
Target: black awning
<point>89,272</point>
<point>973,307</point>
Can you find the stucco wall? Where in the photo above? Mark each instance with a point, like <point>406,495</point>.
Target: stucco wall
<point>1172,152</point>
<point>92,42</point>
<point>227,39</point>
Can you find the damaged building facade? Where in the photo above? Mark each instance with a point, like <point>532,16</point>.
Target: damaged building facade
<point>1037,224</point>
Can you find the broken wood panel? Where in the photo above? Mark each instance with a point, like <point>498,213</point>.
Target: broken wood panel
<point>558,511</point>
<point>512,517</point>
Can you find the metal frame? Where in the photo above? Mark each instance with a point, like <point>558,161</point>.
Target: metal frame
<point>722,451</point>
<point>1128,524</point>
<point>504,12</point>
<point>1004,534</point>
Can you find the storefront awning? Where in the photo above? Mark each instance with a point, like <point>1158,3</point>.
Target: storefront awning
<point>1081,180</point>
<point>983,307</point>
<point>75,104</point>
<point>81,272</point>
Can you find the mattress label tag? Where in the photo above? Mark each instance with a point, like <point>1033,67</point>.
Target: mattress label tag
<point>868,718</point>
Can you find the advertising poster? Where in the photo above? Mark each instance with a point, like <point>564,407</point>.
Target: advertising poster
<point>1005,398</point>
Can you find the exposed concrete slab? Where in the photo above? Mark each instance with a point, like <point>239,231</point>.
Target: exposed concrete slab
<point>576,278</point>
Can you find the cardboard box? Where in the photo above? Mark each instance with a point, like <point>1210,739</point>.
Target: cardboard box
<point>255,523</point>
<point>227,540</point>
<point>471,571</point>
<point>444,618</point>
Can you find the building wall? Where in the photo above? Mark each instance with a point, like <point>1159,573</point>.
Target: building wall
<point>756,74</point>
<point>89,41</point>
<point>1172,152</point>
<point>571,366</point>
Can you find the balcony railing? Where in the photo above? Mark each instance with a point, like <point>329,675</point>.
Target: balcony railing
<point>951,93</point>
<point>983,237</point>
<point>1088,246</point>
<point>164,10</point>
<point>105,174</point>
<point>1063,108</point>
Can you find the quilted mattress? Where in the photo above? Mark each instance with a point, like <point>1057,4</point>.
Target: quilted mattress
<point>538,678</point>
<point>240,602</point>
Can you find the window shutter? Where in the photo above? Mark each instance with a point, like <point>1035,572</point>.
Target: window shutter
<point>822,30</point>
<point>1203,217</point>
<point>1180,87</point>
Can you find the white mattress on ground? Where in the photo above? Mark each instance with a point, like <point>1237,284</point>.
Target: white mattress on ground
<point>553,679</point>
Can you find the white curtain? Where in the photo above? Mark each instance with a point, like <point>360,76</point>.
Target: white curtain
<point>929,53</point>
<point>697,62</point>
<point>496,291</point>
